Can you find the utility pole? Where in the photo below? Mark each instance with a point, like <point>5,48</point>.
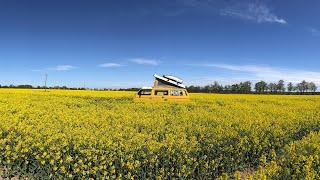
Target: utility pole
<point>45,82</point>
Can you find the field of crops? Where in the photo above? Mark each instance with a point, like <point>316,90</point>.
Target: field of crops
<point>88,134</point>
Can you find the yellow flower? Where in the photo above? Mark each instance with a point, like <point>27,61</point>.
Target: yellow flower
<point>82,134</point>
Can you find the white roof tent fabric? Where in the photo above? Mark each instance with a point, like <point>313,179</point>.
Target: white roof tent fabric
<point>170,80</point>
<point>173,78</point>
<point>147,88</point>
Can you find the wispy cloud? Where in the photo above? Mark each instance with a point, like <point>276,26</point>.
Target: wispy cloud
<point>62,68</point>
<point>110,65</point>
<point>314,31</point>
<point>207,5</point>
<point>257,12</point>
<point>37,70</point>
<point>242,68</point>
<point>56,68</point>
<point>143,61</point>
<point>202,81</point>
<point>124,84</point>
<point>267,73</point>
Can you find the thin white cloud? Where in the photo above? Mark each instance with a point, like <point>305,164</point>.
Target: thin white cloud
<point>62,68</point>
<point>143,61</point>
<point>267,73</point>
<point>242,68</point>
<point>257,12</point>
<point>125,84</point>
<point>110,65</point>
<point>202,81</point>
<point>37,70</point>
<point>314,31</point>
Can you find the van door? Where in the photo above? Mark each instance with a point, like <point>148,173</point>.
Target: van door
<point>178,94</point>
<point>161,95</point>
<point>145,94</point>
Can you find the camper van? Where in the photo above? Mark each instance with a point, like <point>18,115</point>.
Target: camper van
<point>166,88</point>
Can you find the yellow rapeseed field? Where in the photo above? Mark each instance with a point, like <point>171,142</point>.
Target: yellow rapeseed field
<point>106,135</point>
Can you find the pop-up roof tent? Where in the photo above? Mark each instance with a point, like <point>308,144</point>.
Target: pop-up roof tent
<point>166,88</point>
<point>168,82</point>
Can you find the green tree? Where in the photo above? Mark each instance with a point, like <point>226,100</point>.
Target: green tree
<point>290,87</point>
<point>216,87</point>
<point>228,88</point>
<point>235,87</point>
<point>272,87</point>
<point>260,87</point>
<point>312,87</point>
<point>245,86</point>
<point>303,86</point>
<point>280,86</point>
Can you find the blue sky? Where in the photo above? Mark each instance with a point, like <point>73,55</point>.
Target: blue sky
<point>122,43</point>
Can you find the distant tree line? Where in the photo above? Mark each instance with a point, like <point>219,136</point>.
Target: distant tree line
<point>259,87</point>
<point>246,87</point>
<point>27,86</point>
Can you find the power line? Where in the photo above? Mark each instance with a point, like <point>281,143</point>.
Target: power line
<point>45,82</point>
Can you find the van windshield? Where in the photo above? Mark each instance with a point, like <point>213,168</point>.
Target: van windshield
<point>161,93</point>
<point>177,93</point>
<point>145,92</point>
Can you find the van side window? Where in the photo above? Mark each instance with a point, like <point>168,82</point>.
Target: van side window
<point>177,93</point>
<point>145,92</point>
<point>161,93</point>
